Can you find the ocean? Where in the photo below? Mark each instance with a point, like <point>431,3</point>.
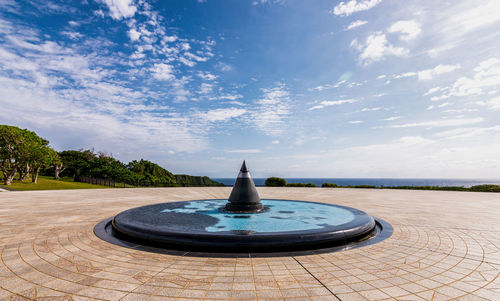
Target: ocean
<point>373,181</point>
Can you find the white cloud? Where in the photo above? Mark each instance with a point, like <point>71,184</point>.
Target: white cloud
<point>187,62</point>
<point>376,48</point>
<point>353,6</point>
<point>415,156</point>
<point>206,88</point>
<point>476,16</point>
<point>230,96</point>
<point>432,91</point>
<point>437,98</point>
<point>243,151</point>
<point>492,104</point>
<point>222,114</point>
<point>403,75</point>
<point>444,104</point>
<point>328,86</point>
<point>271,110</point>
<point>409,29</point>
<point>355,121</point>
<point>206,75</point>
<point>268,2</point>
<point>460,110</point>
<point>327,103</point>
<point>275,142</point>
<point>169,39</point>
<point>392,118</point>
<point>467,132</point>
<point>381,76</point>
<point>163,71</point>
<point>119,9</point>
<point>73,35</point>
<point>441,123</point>
<point>195,57</point>
<point>370,109</point>
<point>134,34</point>
<point>487,75</point>
<point>356,23</point>
<point>224,67</point>
<point>91,90</point>
<point>428,74</point>
<point>460,23</point>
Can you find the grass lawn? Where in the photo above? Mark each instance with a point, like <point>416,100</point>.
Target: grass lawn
<point>48,183</point>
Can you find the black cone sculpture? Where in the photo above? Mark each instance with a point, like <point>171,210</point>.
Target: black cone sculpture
<point>244,197</point>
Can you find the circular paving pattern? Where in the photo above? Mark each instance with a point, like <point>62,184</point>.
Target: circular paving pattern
<point>49,251</point>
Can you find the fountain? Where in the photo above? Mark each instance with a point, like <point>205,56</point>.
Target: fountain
<point>243,223</point>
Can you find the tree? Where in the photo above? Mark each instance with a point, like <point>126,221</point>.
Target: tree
<point>24,171</point>
<point>37,154</point>
<point>275,182</point>
<point>42,156</point>
<point>22,151</point>
<point>59,166</point>
<point>10,138</point>
<point>77,162</point>
<point>14,150</point>
<point>151,174</point>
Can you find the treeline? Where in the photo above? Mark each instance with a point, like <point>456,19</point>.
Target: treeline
<point>88,164</point>
<point>280,182</point>
<point>23,152</point>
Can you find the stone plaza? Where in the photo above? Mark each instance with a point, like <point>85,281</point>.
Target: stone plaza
<point>445,245</point>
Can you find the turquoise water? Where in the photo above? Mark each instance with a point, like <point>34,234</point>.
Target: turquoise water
<point>282,216</point>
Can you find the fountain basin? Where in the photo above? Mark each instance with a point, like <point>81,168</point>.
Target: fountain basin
<point>204,225</point>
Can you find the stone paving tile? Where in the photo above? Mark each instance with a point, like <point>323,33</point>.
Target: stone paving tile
<point>445,245</point>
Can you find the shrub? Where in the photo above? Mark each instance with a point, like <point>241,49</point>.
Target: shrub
<point>365,186</point>
<point>275,182</point>
<point>300,185</point>
<point>329,185</point>
<point>486,188</point>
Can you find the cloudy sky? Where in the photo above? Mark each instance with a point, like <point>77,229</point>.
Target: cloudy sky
<point>361,88</point>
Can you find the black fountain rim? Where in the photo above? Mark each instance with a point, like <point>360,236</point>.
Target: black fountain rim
<point>358,232</point>
<point>104,231</point>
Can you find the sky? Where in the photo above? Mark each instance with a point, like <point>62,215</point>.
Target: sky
<point>360,88</point>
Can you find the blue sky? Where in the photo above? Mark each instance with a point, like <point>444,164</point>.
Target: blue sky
<point>361,88</point>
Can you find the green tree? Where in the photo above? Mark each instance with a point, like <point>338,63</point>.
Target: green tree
<point>77,163</point>
<point>22,151</point>
<point>11,141</point>
<point>275,182</point>
<point>151,174</point>
<point>42,156</point>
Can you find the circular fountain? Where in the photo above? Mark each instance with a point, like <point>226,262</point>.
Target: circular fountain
<point>244,223</point>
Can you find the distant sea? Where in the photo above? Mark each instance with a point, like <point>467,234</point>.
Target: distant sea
<point>373,181</point>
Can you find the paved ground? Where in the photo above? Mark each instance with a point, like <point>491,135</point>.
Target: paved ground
<point>445,245</point>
